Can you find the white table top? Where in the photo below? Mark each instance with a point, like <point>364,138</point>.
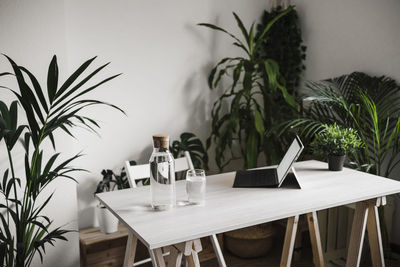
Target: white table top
<point>230,208</point>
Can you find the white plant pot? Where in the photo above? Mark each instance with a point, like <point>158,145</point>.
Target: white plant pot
<point>107,221</point>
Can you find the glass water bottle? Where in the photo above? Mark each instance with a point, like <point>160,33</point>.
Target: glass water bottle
<point>162,174</point>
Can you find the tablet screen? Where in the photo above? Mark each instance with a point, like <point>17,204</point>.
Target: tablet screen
<point>291,155</point>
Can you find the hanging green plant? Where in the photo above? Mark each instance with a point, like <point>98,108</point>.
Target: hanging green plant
<point>283,44</point>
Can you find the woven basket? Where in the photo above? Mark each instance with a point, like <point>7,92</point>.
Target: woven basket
<point>250,242</point>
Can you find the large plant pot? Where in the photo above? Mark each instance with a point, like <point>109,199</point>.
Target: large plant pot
<point>107,221</point>
<point>335,163</point>
<point>250,242</point>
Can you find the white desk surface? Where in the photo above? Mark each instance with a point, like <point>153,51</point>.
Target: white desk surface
<point>230,208</point>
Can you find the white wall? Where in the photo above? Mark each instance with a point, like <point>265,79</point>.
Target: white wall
<point>165,59</point>
<point>343,36</point>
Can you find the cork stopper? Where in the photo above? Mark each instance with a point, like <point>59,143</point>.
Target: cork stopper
<point>160,141</point>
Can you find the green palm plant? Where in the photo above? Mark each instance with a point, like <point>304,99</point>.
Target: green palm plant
<point>60,109</point>
<point>244,120</point>
<point>370,105</point>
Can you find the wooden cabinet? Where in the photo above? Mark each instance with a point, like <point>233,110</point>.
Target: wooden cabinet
<point>100,250</point>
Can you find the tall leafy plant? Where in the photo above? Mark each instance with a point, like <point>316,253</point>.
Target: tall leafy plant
<point>284,44</point>
<point>244,119</point>
<point>24,230</point>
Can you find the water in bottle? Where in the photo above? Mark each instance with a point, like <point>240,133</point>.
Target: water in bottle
<point>162,175</point>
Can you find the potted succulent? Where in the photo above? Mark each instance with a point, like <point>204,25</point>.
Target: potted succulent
<point>107,221</point>
<point>336,142</point>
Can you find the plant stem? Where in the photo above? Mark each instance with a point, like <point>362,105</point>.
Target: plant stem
<point>17,225</point>
<point>13,176</point>
<point>27,190</point>
<point>28,186</point>
<point>37,148</point>
<point>8,214</point>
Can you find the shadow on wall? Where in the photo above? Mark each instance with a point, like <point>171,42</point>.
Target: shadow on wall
<point>87,215</point>
<point>197,95</point>
<point>144,155</point>
<point>195,99</point>
<point>85,191</point>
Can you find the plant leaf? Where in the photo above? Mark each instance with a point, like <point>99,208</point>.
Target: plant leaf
<point>269,25</point>
<point>74,76</point>
<point>213,27</point>
<point>259,122</point>
<point>243,29</point>
<point>37,88</point>
<point>52,79</point>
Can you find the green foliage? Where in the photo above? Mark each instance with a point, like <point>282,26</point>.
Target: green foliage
<point>24,229</point>
<point>244,120</point>
<point>284,45</point>
<point>335,140</point>
<point>111,180</point>
<point>189,142</point>
<point>370,105</point>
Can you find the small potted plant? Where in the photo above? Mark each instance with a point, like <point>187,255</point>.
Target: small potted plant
<point>336,142</point>
<point>107,221</point>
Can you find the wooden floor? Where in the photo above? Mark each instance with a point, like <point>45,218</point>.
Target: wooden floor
<point>273,259</point>
<point>270,261</point>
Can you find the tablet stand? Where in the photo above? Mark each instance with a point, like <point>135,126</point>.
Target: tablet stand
<point>291,180</point>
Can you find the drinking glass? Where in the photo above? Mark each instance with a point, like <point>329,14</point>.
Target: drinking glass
<point>196,186</point>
